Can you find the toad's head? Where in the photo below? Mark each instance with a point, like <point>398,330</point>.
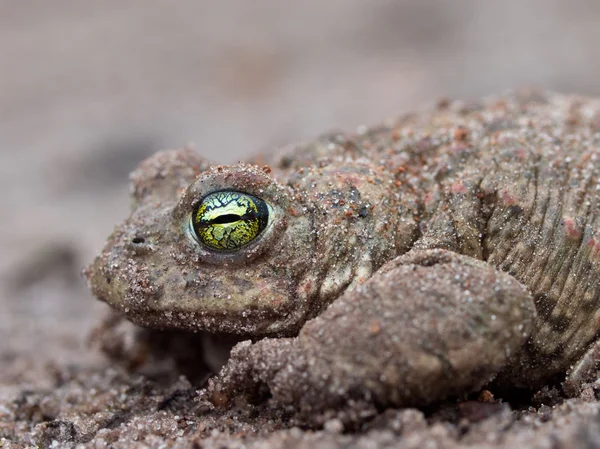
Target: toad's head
<point>222,248</point>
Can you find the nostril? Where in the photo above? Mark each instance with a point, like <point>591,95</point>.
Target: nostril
<point>140,245</point>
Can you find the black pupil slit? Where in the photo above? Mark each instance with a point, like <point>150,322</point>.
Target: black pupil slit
<point>227,218</point>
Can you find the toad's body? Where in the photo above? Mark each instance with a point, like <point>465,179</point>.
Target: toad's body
<point>513,181</point>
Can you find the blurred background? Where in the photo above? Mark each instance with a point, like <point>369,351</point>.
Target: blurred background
<point>87,89</point>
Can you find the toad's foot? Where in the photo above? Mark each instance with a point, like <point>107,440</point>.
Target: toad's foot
<point>430,324</point>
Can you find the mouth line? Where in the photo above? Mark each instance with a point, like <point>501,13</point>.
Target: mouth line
<point>250,324</point>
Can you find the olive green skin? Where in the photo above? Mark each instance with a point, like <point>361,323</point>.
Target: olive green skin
<point>513,181</point>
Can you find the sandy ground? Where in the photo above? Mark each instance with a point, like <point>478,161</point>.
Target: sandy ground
<point>89,89</point>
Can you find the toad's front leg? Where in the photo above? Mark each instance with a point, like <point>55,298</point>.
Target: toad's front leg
<point>430,324</point>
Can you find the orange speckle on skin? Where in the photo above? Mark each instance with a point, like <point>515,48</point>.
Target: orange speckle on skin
<point>461,133</point>
<point>266,169</point>
<point>594,245</point>
<point>458,187</point>
<point>307,288</point>
<point>507,198</point>
<point>571,228</point>
<point>375,327</point>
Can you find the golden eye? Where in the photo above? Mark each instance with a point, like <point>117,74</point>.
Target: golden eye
<point>226,221</point>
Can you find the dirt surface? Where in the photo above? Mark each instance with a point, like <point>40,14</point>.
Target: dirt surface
<point>109,408</point>
<point>87,91</point>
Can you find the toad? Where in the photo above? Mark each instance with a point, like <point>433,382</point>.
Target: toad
<point>394,266</point>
